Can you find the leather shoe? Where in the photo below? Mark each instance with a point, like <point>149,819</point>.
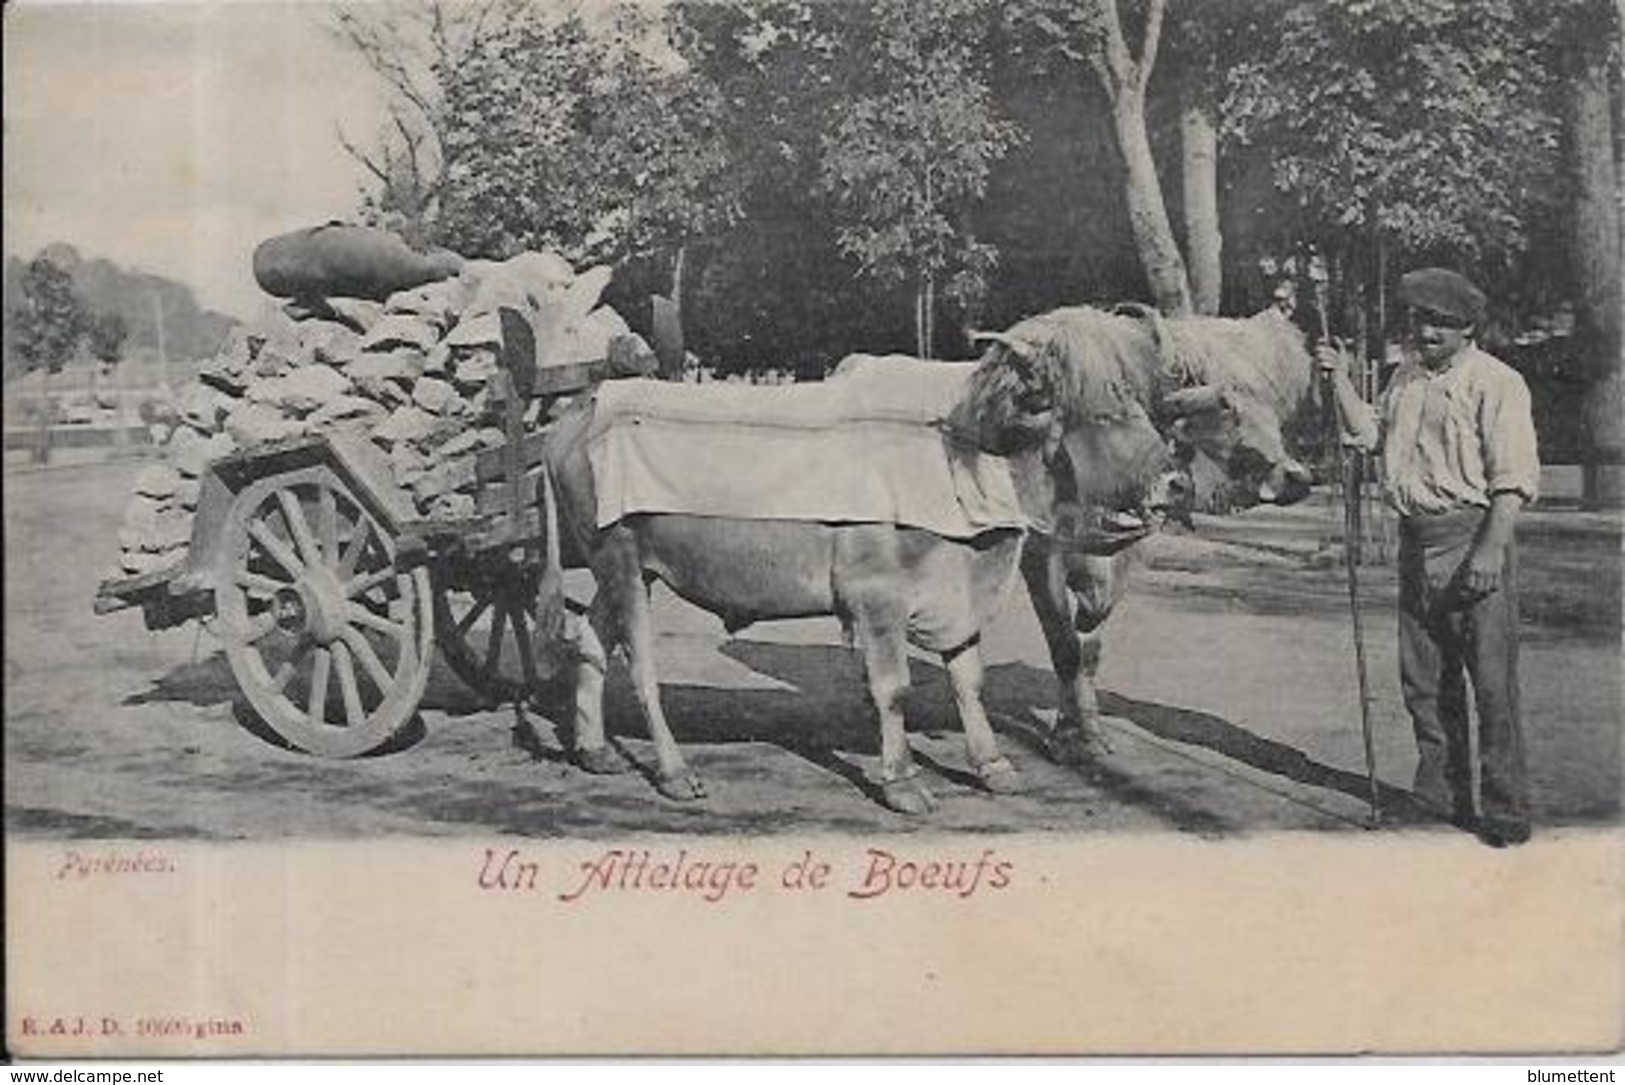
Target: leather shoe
<point>1504,832</point>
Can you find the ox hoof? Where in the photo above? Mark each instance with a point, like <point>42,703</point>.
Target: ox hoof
<point>1075,745</point>
<point>907,796</point>
<point>600,761</point>
<point>681,786</point>
<point>999,776</point>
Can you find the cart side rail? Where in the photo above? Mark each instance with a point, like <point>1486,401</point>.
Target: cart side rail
<point>185,590</point>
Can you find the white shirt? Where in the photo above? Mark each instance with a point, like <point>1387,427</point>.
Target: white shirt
<point>1454,437</point>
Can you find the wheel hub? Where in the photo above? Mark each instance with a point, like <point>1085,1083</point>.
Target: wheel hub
<point>314,607</point>
<point>290,612</point>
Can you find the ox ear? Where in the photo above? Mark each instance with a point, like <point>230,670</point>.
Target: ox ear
<point>1019,347</point>
<point>1193,400</point>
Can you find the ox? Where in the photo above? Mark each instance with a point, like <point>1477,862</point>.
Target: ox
<point>889,584</point>
<point>1235,391</point>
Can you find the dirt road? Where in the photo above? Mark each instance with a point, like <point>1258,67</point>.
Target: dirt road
<point>1229,682</point>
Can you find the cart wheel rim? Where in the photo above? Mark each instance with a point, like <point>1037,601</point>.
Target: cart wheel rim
<point>329,642</point>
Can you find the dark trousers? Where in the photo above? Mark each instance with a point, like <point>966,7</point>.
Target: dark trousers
<point>1443,642</point>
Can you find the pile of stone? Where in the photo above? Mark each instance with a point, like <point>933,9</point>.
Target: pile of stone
<point>415,372</point>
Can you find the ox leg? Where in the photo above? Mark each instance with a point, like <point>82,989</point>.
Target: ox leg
<point>592,749</point>
<point>885,667</point>
<point>992,768</point>
<point>623,617</point>
<point>1075,655</point>
<point>673,777</point>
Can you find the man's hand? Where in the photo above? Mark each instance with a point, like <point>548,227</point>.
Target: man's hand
<point>1357,419</point>
<point>1480,574</point>
<point>1333,362</point>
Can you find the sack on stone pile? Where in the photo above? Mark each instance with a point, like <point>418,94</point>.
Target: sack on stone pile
<point>339,260</point>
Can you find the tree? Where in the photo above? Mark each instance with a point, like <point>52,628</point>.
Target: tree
<point>1414,129</point>
<point>584,139</point>
<point>776,287</point>
<point>47,326</point>
<point>49,321</point>
<point>910,148</point>
<point>1204,42</point>
<point>1204,238</point>
<point>662,152</point>
<point>410,45</point>
<point>1586,42</point>
<point>106,333</point>
<point>1094,31</point>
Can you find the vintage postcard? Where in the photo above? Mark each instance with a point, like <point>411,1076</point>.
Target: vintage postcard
<point>750,527</point>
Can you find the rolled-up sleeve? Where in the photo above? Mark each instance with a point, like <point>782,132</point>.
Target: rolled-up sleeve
<point>1507,428</point>
<point>1362,428</point>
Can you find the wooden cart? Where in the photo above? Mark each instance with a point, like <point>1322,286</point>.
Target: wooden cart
<point>329,592</point>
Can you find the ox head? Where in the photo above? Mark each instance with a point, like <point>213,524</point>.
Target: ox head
<point>1106,479</point>
<point>1087,391</point>
<point>1011,406</point>
<point>1243,438</point>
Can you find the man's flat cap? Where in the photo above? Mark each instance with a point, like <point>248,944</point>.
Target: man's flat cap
<point>1442,291</point>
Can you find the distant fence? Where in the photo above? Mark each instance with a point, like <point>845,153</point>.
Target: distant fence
<point>28,437</point>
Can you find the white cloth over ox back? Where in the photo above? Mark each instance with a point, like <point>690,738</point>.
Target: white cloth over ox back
<point>865,446</point>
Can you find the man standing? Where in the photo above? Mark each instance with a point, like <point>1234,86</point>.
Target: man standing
<point>1458,442</point>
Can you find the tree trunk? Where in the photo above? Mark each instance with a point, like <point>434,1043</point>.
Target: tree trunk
<point>930,350</point>
<point>1148,215</point>
<point>677,278</point>
<point>42,450</point>
<point>1204,243</point>
<point>1597,276</point>
<point>919,318</point>
<point>1125,76</point>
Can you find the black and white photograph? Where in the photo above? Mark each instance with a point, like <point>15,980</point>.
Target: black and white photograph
<point>813,527</point>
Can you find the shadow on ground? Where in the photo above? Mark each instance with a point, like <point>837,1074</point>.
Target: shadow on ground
<point>821,716</point>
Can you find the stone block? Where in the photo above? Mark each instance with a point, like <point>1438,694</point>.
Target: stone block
<point>158,480</point>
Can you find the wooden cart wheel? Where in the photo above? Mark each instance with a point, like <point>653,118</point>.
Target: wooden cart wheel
<point>484,612</point>
<point>328,641</point>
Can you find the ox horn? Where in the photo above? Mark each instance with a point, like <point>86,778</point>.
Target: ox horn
<point>1019,347</point>
<point>1185,401</point>
<point>1150,316</point>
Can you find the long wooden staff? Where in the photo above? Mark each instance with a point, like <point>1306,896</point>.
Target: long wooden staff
<point>1353,530</point>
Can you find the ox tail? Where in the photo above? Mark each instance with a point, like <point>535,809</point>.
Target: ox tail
<point>551,633</point>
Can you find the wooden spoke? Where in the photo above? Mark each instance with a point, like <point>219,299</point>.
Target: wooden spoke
<point>327,524</point>
<point>319,672</point>
<point>258,583</point>
<point>259,626</point>
<point>277,550</point>
<point>474,610</point>
<point>362,650</point>
<point>521,636</point>
<point>467,621</point>
<point>293,512</point>
<point>360,615</point>
<point>358,546</point>
<point>493,648</point>
<point>353,712</point>
<point>366,582</point>
<point>284,674</point>
<point>302,530</point>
